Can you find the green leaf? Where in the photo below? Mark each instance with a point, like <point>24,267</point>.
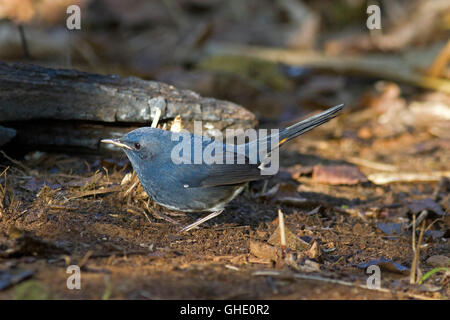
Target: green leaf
<point>431,272</point>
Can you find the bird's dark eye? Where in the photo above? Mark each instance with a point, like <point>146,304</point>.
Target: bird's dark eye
<point>137,146</point>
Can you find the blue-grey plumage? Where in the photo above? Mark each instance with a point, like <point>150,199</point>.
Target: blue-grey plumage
<point>187,186</point>
<point>207,187</point>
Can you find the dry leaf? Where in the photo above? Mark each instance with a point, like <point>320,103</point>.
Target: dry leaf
<point>338,175</point>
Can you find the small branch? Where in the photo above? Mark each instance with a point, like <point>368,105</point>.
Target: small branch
<point>17,163</point>
<point>156,118</point>
<point>422,216</point>
<point>412,275</point>
<point>95,192</point>
<point>23,39</point>
<point>333,281</point>
<point>282,230</point>
<point>372,164</point>
<point>387,177</point>
<point>416,249</point>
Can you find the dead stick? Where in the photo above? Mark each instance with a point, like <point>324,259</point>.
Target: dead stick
<point>95,192</point>
<point>26,52</point>
<point>334,281</point>
<point>282,231</point>
<point>412,275</point>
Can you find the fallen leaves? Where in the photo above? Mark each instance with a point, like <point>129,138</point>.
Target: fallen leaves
<point>337,175</point>
<point>265,251</point>
<point>293,242</point>
<point>284,248</point>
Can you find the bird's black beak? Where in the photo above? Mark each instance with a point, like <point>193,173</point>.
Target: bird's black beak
<point>117,143</point>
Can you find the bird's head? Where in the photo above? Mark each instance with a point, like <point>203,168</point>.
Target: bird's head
<point>140,145</point>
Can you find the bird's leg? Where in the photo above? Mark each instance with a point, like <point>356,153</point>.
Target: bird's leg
<point>200,221</point>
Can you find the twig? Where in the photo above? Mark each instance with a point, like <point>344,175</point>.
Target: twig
<point>135,183</point>
<point>231,267</point>
<point>412,275</point>
<point>156,118</point>
<point>296,201</point>
<point>282,231</point>
<point>431,224</point>
<point>17,163</point>
<point>146,216</point>
<point>416,250</point>
<point>385,177</point>
<point>26,52</point>
<point>335,281</point>
<point>372,164</point>
<point>422,216</point>
<point>159,215</point>
<point>136,211</point>
<point>419,242</point>
<point>95,192</point>
<point>4,171</point>
<point>59,207</point>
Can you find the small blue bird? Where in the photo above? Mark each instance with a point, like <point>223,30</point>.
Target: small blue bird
<point>185,185</point>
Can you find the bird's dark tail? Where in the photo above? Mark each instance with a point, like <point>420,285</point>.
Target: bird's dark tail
<point>308,124</point>
<point>277,139</point>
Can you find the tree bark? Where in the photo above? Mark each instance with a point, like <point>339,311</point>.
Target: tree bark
<point>57,107</point>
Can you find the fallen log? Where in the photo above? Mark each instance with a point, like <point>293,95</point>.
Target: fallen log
<point>68,108</point>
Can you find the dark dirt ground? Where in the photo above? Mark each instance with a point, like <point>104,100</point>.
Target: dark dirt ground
<point>126,250</point>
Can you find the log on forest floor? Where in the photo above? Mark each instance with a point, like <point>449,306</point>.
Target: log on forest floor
<point>54,108</point>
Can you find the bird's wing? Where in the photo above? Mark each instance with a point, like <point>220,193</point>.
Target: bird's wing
<point>231,174</point>
<point>233,168</point>
<point>202,175</point>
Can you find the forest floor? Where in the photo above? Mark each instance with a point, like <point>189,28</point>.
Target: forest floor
<point>66,210</point>
<point>368,188</point>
